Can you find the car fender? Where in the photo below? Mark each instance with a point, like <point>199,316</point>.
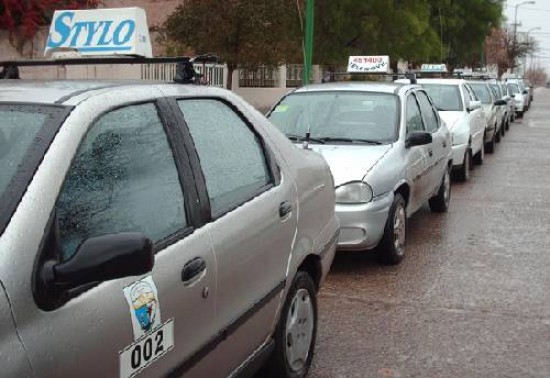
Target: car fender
<point>13,356</point>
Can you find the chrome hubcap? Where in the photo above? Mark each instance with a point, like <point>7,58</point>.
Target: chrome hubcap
<point>299,330</point>
<point>399,230</point>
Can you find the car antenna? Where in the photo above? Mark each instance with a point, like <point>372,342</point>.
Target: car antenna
<point>411,76</point>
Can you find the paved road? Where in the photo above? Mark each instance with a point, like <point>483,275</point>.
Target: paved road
<point>472,298</point>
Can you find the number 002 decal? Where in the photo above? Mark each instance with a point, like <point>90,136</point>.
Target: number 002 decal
<point>147,350</point>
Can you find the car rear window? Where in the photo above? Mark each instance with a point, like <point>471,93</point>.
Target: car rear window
<point>445,97</point>
<point>25,134</point>
<point>339,114</point>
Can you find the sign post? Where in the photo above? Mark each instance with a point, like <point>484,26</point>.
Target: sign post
<point>308,44</point>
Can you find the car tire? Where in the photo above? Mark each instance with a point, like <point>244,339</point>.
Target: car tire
<point>440,202</point>
<point>519,114</point>
<point>479,158</point>
<point>498,134</point>
<point>503,130</point>
<point>508,124</point>
<point>463,173</point>
<point>296,331</point>
<point>491,146</point>
<point>393,246</point>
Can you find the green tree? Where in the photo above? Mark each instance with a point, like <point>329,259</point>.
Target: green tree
<point>399,28</point>
<point>241,32</point>
<point>463,26</point>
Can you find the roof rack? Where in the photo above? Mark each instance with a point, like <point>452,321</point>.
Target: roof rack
<point>185,73</point>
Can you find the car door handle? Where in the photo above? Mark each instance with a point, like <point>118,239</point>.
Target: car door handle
<point>192,270</point>
<point>430,152</point>
<point>285,208</point>
<point>444,144</point>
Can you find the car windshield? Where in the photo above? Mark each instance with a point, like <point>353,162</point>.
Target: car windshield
<point>22,144</point>
<point>338,116</point>
<point>513,88</point>
<point>446,97</point>
<point>482,92</point>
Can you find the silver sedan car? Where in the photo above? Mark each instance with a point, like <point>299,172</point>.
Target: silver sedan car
<point>388,150</point>
<point>155,229</point>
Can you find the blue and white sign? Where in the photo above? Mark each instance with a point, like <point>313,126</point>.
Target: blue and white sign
<point>121,31</point>
<point>435,68</point>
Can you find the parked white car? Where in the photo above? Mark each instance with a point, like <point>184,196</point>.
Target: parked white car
<point>388,150</point>
<point>490,108</point>
<point>461,111</point>
<point>520,96</point>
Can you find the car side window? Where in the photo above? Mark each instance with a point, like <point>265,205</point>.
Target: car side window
<point>428,111</point>
<point>471,92</point>
<point>414,118</point>
<point>232,156</point>
<point>467,95</point>
<point>123,179</point>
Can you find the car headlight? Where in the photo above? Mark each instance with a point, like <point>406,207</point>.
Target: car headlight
<point>354,192</point>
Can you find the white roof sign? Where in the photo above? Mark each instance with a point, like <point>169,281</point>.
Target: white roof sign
<point>121,31</point>
<point>436,68</point>
<point>369,64</point>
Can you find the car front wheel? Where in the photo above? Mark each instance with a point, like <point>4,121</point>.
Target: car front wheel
<point>393,245</point>
<point>479,158</point>
<point>491,145</point>
<point>296,331</point>
<point>440,202</point>
<point>463,173</point>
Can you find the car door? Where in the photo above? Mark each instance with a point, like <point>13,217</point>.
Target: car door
<point>128,175</point>
<point>438,150</point>
<point>418,157</point>
<point>476,119</point>
<point>254,215</point>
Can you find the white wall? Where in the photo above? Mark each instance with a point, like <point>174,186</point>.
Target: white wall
<point>262,98</point>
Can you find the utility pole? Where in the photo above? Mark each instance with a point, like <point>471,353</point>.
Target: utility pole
<point>515,41</point>
<point>308,43</point>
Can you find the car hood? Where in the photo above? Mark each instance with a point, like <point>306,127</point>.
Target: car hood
<point>350,162</point>
<point>451,119</point>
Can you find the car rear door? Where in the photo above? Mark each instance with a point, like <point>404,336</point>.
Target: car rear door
<point>418,157</point>
<point>254,209</point>
<point>476,120</point>
<point>129,174</point>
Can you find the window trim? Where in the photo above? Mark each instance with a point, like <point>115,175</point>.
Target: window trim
<point>49,251</point>
<point>432,108</point>
<point>11,198</point>
<point>413,95</point>
<point>269,158</point>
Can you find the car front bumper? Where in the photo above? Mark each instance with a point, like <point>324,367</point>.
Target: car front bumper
<point>362,225</point>
<point>459,150</point>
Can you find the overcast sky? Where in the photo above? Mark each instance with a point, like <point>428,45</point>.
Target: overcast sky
<point>533,16</point>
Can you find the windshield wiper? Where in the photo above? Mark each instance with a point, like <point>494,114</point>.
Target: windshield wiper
<point>350,140</point>
<point>301,138</point>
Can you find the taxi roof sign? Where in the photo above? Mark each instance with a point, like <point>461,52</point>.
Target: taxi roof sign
<point>433,68</point>
<point>121,31</point>
<point>369,64</point>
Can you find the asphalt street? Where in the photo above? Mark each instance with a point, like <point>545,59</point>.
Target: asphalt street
<point>472,297</point>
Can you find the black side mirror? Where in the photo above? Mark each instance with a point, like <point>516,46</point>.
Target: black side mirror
<point>103,258</point>
<point>418,138</point>
<point>525,91</point>
<point>500,102</point>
